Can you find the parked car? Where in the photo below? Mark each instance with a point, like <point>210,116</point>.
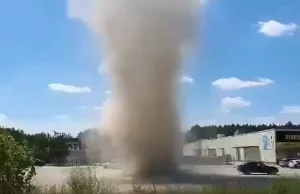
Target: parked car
<point>294,163</point>
<point>38,162</point>
<point>284,162</point>
<point>257,167</point>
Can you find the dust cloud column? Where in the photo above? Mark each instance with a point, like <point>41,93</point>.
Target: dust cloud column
<point>143,40</point>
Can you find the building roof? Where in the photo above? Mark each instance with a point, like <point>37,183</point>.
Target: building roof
<point>255,132</point>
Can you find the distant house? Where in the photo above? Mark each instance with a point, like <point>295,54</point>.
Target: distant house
<point>73,144</point>
<point>76,154</point>
<point>79,154</point>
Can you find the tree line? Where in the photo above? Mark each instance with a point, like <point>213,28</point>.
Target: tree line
<point>43,146</point>
<point>210,132</point>
<point>52,148</point>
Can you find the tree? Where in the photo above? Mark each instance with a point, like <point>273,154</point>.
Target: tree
<point>18,135</point>
<point>58,149</point>
<point>16,165</point>
<point>50,149</point>
<point>39,144</point>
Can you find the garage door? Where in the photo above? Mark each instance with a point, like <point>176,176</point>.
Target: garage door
<point>211,152</point>
<point>252,154</point>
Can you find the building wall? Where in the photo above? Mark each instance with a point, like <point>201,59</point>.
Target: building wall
<point>83,157</point>
<point>252,153</point>
<point>76,156</point>
<point>235,145</point>
<point>73,145</point>
<point>190,149</point>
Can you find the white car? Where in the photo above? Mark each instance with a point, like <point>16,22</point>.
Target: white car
<point>294,164</point>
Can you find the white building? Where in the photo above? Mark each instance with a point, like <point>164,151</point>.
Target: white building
<point>73,145</point>
<point>268,146</point>
<point>80,154</point>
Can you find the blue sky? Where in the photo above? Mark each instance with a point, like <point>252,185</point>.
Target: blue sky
<point>247,69</point>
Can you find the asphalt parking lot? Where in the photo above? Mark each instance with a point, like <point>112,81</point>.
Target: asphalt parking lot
<point>196,175</point>
<point>230,170</point>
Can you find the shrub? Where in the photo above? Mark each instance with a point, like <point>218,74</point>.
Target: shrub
<point>85,181</point>
<point>16,166</point>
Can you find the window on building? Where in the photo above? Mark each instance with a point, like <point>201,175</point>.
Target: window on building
<point>70,146</point>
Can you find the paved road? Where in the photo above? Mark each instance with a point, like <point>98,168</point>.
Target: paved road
<point>198,176</point>
<point>231,170</point>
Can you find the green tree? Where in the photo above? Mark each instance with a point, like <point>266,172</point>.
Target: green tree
<point>50,149</point>
<point>17,134</point>
<point>39,144</point>
<point>16,165</point>
<point>58,149</point>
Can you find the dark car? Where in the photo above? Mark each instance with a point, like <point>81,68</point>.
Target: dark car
<point>38,162</point>
<point>284,162</point>
<point>257,167</point>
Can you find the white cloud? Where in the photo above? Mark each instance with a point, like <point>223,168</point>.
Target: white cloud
<point>187,79</point>
<point>234,83</point>
<point>58,87</point>
<point>233,103</point>
<point>292,109</point>
<point>273,28</point>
